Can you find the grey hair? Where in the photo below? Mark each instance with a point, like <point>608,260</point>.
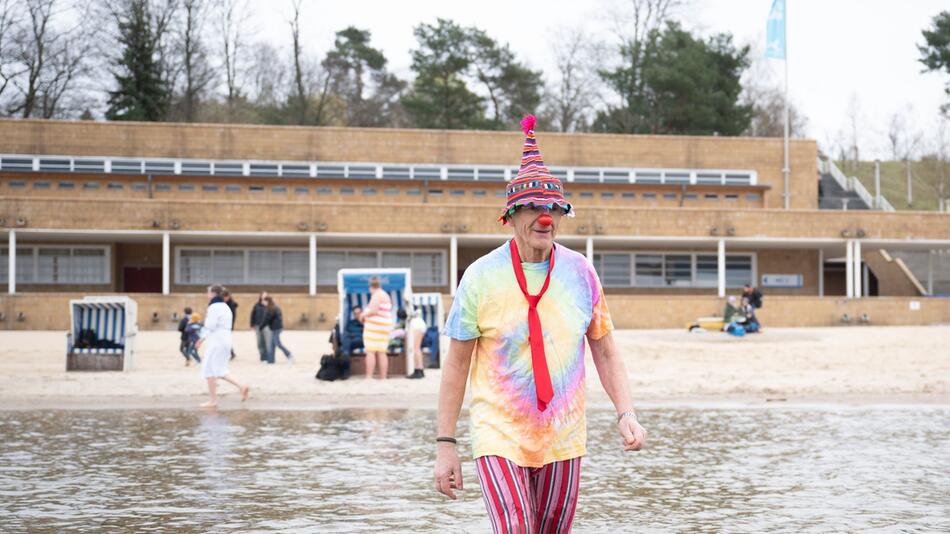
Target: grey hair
<point>216,289</point>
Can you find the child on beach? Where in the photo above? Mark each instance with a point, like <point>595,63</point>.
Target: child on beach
<point>192,333</point>
<point>183,343</point>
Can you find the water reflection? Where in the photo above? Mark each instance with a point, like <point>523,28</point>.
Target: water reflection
<point>709,470</point>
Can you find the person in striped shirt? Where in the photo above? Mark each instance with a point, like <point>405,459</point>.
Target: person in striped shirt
<point>377,321</point>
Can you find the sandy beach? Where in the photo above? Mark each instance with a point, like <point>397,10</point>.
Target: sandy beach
<point>860,365</point>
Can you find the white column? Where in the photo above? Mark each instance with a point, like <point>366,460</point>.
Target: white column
<point>166,263</point>
<point>930,272</point>
<point>313,264</point>
<point>858,286</point>
<point>590,249</point>
<point>821,272</point>
<point>849,269</point>
<point>11,263</point>
<point>453,264</point>
<point>721,267</point>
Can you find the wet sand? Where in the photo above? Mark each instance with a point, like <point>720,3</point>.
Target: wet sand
<point>848,365</point>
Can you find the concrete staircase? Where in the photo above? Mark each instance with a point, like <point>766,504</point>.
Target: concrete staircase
<point>917,262</point>
<point>832,197</point>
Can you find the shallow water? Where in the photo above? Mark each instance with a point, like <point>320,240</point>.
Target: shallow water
<point>714,469</point>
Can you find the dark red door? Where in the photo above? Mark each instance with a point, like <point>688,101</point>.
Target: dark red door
<point>142,280</point>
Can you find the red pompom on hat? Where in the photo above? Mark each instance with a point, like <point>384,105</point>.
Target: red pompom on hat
<point>534,185</point>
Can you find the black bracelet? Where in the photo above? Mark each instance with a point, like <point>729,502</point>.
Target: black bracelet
<point>446,440</point>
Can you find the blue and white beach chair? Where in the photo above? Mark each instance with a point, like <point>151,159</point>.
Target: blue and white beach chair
<point>353,289</point>
<point>102,335</point>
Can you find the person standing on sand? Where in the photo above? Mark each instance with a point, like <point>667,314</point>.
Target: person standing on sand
<point>377,321</point>
<point>258,314</point>
<point>216,334</point>
<point>518,322</point>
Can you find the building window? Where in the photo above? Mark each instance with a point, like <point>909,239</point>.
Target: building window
<point>17,184</point>
<point>690,196</point>
<point>42,185</point>
<point>369,191</point>
<point>90,185</point>
<point>324,190</point>
<point>302,190</point>
<point>457,192</point>
<point>479,193</point>
<point>115,186</point>
<point>629,195</point>
<point>66,185</point>
<point>427,266</point>
<point>209,188</point>
<point>391,191</point>
<point>753,197</point>
<point>587,194</point>
<point>232,188</point>
<point>346,191</point>
<point>435,192</point>
<point>649,196</point>
<point>59,264</point>
<point>279,189</point>
<point>711,196</point>
<point>139,187</point>
<point>606,194</point>
<point>669,196</point>
<point>678,270</point>
<point>163,187</point>
<point>255,188</point>
<point>649,270</point>
<point>415,191</point>
<point>241,266</point>
<point>732,197</point>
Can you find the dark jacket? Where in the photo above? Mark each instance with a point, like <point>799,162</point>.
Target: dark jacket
<point>233,305</point>
<point>182,325</point>
<point>258,314</point>
<point>755,298</point>
<point>274,319</point>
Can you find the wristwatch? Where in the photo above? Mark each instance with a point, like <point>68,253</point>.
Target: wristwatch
<point>627,414</point>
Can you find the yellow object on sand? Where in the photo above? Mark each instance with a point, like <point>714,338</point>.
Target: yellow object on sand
<point>713,324</point>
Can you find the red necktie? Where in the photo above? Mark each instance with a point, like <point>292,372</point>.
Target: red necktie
<point>542,379</point>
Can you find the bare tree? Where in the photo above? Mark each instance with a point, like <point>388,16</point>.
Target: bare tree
<point>196,74</point>
<point>232,25</point>
<point>301,93</point>
<point>853,132</point>
<point>268,73</point>
<point>570,102</point>
<point>9,23</point>
<point>764,93</point>
<point>50,55</point>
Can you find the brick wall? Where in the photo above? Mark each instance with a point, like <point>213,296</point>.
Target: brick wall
<point>50,311</point>
<point>385,145</point>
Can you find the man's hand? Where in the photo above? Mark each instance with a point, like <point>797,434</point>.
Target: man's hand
<point>448,470</point>
<point>634,436</point>
<point>198,343</point>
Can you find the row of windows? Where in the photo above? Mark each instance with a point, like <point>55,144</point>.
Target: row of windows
<point>364,170</point>
<point>58,265</point>
<point>291,266</point>
<point>371,191</point>
<point>652,269</point>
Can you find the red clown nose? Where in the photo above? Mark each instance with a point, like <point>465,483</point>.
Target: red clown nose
<point>545,220</point>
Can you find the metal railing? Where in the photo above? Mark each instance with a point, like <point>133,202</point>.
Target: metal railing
<point>851,183</point>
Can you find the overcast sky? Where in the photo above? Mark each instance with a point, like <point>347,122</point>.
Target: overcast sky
<point>837,48</point>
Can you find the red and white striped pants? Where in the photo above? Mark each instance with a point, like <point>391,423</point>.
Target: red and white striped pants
<point>529,500</point>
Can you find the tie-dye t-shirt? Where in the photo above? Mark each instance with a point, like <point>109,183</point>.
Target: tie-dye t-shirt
<point>489,306</point>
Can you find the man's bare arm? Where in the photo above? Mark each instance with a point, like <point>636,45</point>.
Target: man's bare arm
<point>613,376</point>
<point>455,368</point>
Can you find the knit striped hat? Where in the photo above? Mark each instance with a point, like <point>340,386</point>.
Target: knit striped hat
<point>534,185</point>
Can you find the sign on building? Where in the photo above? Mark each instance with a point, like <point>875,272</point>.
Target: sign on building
<point>782,280</point>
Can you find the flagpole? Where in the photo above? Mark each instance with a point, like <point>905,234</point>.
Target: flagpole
<point>785,169</point>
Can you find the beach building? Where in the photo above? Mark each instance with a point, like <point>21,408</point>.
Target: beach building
<point>673,224</point>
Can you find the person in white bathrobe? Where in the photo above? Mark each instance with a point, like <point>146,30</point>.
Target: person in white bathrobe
<point>216,337</point>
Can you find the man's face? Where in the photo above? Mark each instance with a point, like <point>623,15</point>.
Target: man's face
<point>263,296</point>
<point>526,225</point>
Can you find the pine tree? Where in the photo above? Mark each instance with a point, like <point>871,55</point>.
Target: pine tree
<point>142,93</point>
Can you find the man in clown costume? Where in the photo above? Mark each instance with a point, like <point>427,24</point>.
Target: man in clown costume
<point>517,328</point>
